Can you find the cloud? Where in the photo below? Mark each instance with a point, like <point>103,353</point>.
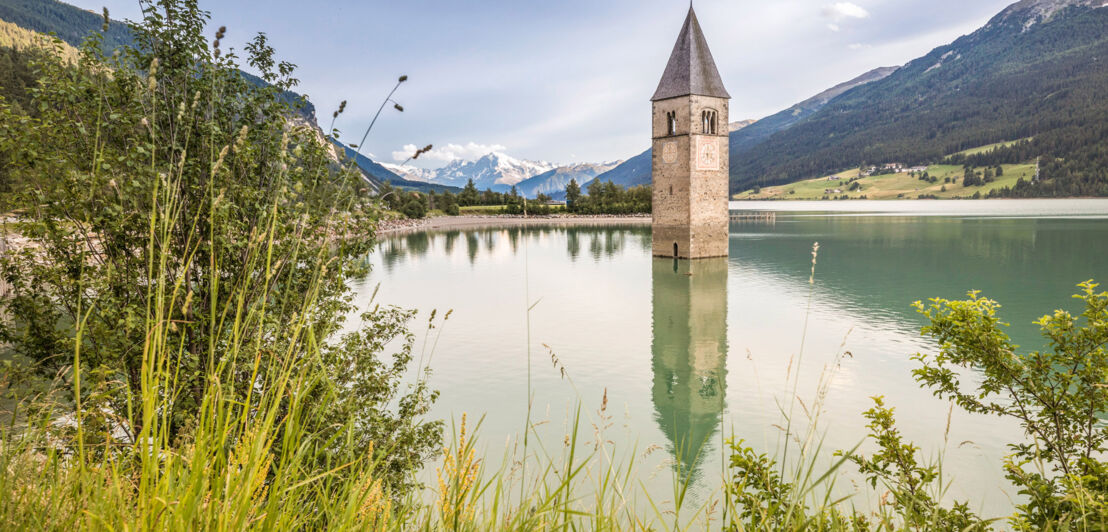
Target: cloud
<point>833,27</point>
<point>450,152</point>
<point>844,10</point>
<point>857,46</point>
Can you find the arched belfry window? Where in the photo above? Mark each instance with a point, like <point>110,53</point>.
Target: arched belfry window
<point>708,122</point>
<point>671,123</point>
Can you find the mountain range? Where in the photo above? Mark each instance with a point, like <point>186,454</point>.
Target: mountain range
<point>1038,70</point>
<point>495,170</point>
<point>553,182</point>
<point>500,172</point>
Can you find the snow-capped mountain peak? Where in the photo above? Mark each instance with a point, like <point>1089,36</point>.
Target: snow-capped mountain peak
<point>1034,11</point>
<point>412,173</point>
<point>495,170</point>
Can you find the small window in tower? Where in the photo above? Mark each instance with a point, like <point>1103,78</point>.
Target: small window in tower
<point>671,123</point>
<point>708,122</point>
<point>671,190</point>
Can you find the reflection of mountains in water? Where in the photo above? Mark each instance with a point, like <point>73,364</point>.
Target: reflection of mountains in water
<point>689,353</point>
<point>600,241</point>
<point>877,266</point>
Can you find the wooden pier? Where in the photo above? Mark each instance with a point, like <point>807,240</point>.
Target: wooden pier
<point>754,216</point>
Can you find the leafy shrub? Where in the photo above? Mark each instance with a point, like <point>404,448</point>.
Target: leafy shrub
<point>414,209</point>
<point>1058,397</point>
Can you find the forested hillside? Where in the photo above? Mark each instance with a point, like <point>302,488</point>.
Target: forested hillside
<point>71,24</point>
<point>18,48</point>
<point>1017,77</point>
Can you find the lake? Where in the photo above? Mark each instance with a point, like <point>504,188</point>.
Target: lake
<point>689,353</point>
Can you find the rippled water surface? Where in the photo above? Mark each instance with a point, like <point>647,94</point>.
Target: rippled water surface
<point>690,352</point>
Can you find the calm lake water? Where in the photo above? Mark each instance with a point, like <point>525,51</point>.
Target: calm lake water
<point>690,352</point>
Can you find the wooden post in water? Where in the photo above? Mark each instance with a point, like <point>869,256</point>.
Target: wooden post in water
<point>754,216</point>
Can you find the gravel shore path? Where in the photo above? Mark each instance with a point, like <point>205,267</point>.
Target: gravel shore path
<point>473,221</point>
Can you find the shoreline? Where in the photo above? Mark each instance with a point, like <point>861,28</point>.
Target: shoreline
<point>506,220</point>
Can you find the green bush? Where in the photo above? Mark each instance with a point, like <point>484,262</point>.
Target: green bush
<point>1058,396</point>
<point>414,209</point>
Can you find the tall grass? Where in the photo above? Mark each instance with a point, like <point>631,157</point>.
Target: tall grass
<point>252,462</point>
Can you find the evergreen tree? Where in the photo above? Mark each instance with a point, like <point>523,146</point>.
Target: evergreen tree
<point>573,193</point>
<point>469,195</point>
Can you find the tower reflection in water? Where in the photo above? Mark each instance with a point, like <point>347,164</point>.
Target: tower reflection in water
<point>689,355</point>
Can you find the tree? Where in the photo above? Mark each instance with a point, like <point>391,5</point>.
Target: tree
<point>449,203</point>
<point>414,208</point>
<point>573,194</point>
<point>469,195</point>
<point>971,178</point>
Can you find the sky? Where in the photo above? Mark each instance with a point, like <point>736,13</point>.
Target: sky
<point>564,81</point>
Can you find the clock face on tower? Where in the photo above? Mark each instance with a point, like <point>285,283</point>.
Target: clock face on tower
<point>669,152</point>
<point>707,154</point>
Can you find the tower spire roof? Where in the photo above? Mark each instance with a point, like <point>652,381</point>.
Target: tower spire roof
<point>691,69</point>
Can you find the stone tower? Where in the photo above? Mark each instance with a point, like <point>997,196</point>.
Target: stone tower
<point>689,161</point>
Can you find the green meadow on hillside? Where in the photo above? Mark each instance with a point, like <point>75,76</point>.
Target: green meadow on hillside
<point>891,186</point>
<point>990,147</point>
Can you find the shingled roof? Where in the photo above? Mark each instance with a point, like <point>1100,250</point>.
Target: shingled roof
<point>691,69</point>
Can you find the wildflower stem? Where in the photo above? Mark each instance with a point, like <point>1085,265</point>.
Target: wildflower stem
<point>358,150</point>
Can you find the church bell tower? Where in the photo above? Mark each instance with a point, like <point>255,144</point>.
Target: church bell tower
<point>690,148</point>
